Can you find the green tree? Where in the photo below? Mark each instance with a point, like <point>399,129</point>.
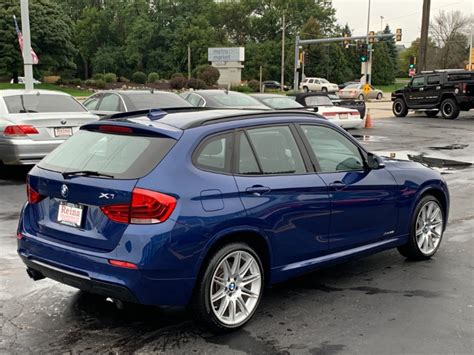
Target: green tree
<point>383,72</point>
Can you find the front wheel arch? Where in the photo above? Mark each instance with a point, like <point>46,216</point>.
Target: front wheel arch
<point>439,194</point>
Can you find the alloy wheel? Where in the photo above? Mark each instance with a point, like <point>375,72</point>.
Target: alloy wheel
<point>429,227</point>
<point>235,288</point>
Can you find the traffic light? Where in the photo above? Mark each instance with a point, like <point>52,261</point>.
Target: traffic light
<point>412,62</point>
<point>371,37</point>
<point>363,52</point>
<point>398,35</point>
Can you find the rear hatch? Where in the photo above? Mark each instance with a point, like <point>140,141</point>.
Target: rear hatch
<point>51,116</point>
<point>80,194</point>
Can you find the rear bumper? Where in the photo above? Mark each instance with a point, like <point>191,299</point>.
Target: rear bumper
<point>465,102</point>
<point>25,151</point>
<point>93,273</point>
<point>349,123</point>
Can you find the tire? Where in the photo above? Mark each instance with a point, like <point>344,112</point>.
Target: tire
<point>426,230</point>
<point>432,113</point>
<point>217,314</point>
<point>399,107</point>
<point>305,89</point>
<point>379,96</point>
<point>324,89</point>
<point>361,97</point>
<point>449,109</point>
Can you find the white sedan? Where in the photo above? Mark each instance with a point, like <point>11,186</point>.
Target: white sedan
<point>344,117</point>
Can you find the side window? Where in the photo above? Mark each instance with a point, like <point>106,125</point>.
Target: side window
<point>317,81</point>
<point>311,81</point>
<point>91,104</point>
<point>215,153</point>
<point>110,102</point>
<point>433,79</point>
<point>247,162</point>
<point>276,150</point>
<point>333,151</point>
<point>193,99</point>
<point>418,82</point>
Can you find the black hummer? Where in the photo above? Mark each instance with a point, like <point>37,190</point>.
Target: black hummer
<point>448,91</point>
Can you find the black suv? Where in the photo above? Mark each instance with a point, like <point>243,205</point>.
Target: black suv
<point>448,91</point>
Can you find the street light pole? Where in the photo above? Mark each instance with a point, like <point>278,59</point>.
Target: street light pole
<point>367,41</point>
<point>27,58</point>
<point>282,80</point>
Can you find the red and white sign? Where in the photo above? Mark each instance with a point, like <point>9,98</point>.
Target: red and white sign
<point>70,214</point>
<point>411,72</point>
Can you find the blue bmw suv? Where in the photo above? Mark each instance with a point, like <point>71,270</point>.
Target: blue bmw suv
<point>207,207</point>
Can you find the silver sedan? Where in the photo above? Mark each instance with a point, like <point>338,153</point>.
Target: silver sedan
<point>34,122</point>
<point>356,91</point>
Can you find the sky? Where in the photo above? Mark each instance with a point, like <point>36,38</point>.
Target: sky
<point>404,14</point>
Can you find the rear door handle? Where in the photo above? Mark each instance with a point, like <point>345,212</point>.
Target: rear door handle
<point>337,185</point>
<point>257,190</point>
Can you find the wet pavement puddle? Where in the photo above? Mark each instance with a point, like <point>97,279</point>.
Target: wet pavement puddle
<point>454,146</point>
<point>369,138</point>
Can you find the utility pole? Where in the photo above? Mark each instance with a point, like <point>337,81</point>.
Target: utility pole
<point>367,41</point>
<point>381,23</point>
<point>261,86</point>
<point>27,58</point>
<point>282,79</point>
<point>189,62</point>
<point>471,54</point>
<point>425,23</point>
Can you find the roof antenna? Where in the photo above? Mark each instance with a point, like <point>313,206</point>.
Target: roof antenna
<point>155,114</point>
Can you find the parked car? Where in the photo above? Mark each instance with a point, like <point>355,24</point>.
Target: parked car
<point>222,99</point>
<point>110,102</point>
<point>33,123</point>
<point>341,116</point>
<point>306,100</point>
<point>271,84</point>
<point>448,91</point>
<point>342,86</point>
<point>21,80</point>
<point>317,84</point>
<point>278,102</point>
<point>356,91</point>
<point>209,207</point>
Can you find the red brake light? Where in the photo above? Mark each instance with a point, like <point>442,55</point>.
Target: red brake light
<point>329,113</point>
<point>354,112</point>
<point>33,196</point>
<point>115,129</point>
<point>146,207</point>
<point>19,235</point>
<point>123,264</point>
<point>19,130</point>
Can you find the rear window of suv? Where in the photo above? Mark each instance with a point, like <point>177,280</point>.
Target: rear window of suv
<point>122,156</point>
<point>42,103</point>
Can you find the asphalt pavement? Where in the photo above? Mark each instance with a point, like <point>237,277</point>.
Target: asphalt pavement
<point>380,304</point>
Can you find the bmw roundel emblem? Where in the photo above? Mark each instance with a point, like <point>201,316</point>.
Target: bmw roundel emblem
<point>64,191</point>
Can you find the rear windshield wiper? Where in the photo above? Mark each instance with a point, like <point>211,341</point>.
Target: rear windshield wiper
<point>67,174</point>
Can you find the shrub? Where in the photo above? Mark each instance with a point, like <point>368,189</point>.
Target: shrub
<point>242,88</point>
<point>62,81</point>
<point>139,77</point>
<point>75,81</point>
<point>177,82</point>
<point>90,82</point>
<point>254,85</point>
<point>110,78</point>
<point>153,77</point>
<point>100,84</point>
<point>208,73</point>
<point>123,79</point>
<point>196,84</point>
<point>98,76</point>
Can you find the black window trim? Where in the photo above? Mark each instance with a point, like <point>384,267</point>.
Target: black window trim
<point>315,160</point>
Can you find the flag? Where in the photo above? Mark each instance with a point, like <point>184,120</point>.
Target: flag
<point>20,42</point>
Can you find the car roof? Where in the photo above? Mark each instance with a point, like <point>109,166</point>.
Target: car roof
<point>135,92</point>
<point>186,118</point>
<point>13,92</point>
<point>268,96</point>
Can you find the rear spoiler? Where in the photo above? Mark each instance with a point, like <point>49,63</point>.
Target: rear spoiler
<point>151,113</point>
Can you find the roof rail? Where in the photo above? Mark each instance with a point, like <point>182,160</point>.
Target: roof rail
<point>442,71</point>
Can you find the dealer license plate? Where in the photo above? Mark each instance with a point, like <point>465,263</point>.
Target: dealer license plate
<point>62,131</point>
<point>70,214</point>
<point>343,116</point>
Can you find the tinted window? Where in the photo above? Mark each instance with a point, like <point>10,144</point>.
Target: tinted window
<point>236,100</point>
<point>42,103</point>
<point>91,103</point>
<point>460,76</point>
<point>352,86</point>
<point>123,156</point>
<point>281,102</point>
<point>194,99</point>
<point>318,101</point>
<point>215,153</point>
<point>247,162</point>
<point>110,102</point>
<point>419,81</point>
<point>147,100</point>
<point>433,79</point>
<point>333,151</point>
<point>276,150</point>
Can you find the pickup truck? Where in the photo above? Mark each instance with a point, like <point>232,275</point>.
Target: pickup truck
<point>445,91</point>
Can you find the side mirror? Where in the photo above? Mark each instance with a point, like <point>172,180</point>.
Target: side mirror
<point>316,108</point>
<point>374,161</point>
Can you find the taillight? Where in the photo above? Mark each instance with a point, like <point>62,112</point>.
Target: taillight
<point>33,196</point>
<point>146,207</point>
<point>19,236</point>
<point>124,264</point>
<point>464,88</point>
<point>329,113</point>
<point>354,112</point>
<point>115,129</point>
<point>19,130</point>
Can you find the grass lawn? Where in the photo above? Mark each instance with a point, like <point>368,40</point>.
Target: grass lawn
<point>70,91</point>
<point>390,88</point>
